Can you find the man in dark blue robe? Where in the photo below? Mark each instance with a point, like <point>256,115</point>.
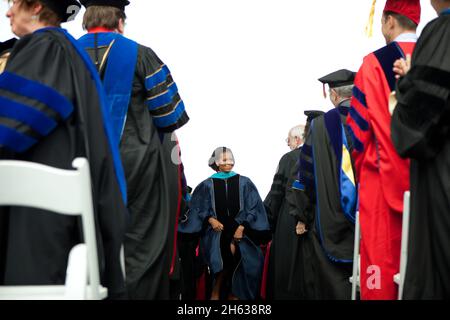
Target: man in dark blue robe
<point>146,109</point>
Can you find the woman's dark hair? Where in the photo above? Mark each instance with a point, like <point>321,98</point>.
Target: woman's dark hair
<point>212,163</point>
<point>218,151</point>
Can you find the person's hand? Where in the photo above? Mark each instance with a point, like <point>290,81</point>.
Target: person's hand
<point>215,224</point>
<point>233,248</point>
<point>300,228</point>
<point>392,102</point>
<point>402,66</point>
<point>239,233</point>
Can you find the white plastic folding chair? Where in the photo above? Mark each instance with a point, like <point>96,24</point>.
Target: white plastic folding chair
<point>65,192</point>
<point>356,260</point>
<point>399,278</point>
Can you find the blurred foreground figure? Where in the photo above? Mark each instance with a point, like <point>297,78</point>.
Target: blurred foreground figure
<point>421,132</point>
<point>53,110</point>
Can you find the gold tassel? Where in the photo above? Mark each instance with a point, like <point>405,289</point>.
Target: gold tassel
<point>369,26</point>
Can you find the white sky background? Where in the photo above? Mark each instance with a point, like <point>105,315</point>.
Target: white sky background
<point>247,69</point>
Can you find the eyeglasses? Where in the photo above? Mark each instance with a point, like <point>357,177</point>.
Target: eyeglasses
<point>289,139</point>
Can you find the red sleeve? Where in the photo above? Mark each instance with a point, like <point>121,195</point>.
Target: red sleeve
<point>369,124</point>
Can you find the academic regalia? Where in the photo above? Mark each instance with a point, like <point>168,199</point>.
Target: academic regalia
<point>383,176</point>
<point>191,266</point>
<point>301,209</point>
<point>339,78</point>
<point>327,180</point>
<point>239,198</point>
<point>119,4</point>
<point>146,108</point>
<point>53,109</point>
<point>275,198</point>
<point>187,250</point>
<point>420,131</point>
<point>282,283</point>
<point>176,192</point>
<point>66,10</point>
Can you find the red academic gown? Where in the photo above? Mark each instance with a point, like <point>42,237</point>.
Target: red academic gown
<point>383,176</point>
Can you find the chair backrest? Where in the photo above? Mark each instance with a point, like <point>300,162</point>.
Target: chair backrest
<point>61,191</point>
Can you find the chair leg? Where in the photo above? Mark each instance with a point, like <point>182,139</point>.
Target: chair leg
<point>77,273</point>
<point>356,268</point>
<point>404,243</point>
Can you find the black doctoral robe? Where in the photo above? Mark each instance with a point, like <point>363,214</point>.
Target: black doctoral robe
<point>327,247</point>
<point>283,281</point>
<point>421,132</point>
<point>153,177</point>
<point>51,113</point>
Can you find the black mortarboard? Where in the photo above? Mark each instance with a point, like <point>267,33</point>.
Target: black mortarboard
<point>339,78</point>
<point>8,44</point>
<point>65,9</point>
<point>311,114</point>
<point>120,4</point>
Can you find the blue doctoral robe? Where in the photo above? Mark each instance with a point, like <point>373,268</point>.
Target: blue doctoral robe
<point>247,276</point>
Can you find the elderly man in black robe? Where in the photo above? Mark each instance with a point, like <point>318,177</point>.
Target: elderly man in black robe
<point>280,285</point>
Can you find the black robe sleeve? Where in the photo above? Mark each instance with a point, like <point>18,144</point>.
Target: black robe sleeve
<point>163,99</point>
<point>301,199</point>
<point>33,105</point>
<point>276,195</point>
<point>421,119</point>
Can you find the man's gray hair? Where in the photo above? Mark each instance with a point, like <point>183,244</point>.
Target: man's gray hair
<point>345,91</point>
<point>297,131</point>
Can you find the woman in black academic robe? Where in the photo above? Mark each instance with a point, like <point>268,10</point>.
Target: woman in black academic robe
<point>52,111</point>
